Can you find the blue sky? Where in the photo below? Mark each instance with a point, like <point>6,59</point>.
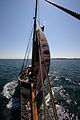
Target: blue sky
<point>61,29</point>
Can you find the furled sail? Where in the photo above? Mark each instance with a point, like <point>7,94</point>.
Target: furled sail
<point>45,55</point>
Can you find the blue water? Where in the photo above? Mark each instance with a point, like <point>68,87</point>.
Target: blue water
<point>65,82</point>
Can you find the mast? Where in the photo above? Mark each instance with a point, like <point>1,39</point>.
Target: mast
<point>34,34</point>
<point>33,105</point>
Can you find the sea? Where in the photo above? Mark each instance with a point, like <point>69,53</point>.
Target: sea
<point>64,75</point>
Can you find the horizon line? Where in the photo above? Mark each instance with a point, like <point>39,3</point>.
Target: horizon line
<point>50,58</point>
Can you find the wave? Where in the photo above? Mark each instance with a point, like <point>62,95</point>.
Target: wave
<point>8,92</point>
<point>63,114</point>
<point>75,82</point>
<point>9,89</point>
<point>57,77</point>
<point>13,103</point>
<point>58,92</point>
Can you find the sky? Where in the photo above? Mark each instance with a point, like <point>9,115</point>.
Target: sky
<point>16,21</point>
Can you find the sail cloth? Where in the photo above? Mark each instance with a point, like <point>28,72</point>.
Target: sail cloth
<point>45,55</point>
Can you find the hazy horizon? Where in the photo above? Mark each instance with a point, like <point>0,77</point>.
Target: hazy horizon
<point>50,58</point>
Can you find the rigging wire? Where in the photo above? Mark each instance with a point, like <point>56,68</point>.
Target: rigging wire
<point>27,50</point>
<point>50,91</point>
<point>44,101</point>
<point>27,44</point>
<point>49,86</point>
<point>38,14</point>
<point>43,92</point>
<point>27,58</point>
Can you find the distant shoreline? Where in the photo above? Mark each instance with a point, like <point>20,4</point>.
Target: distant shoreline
<point>65,58</point>
<point>51,59</point>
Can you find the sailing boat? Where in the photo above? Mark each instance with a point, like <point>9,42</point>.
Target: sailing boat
<point>31,78</point>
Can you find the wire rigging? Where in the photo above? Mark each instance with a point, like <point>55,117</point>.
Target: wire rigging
<point>48,81</point>
<point>38,14</point>
<point>27,51</point>
<point>27,56</point>
<point>44,101</point>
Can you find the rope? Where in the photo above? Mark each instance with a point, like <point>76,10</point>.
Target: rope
<point>44,101</point>
<point>49,86</point>
<point>38,14</point>
<point>45,109</point>
<point>28,56</point>
<point>26,51</point>
<point>51,95</point>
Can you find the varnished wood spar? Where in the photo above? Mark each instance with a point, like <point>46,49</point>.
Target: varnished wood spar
<point>34,33</point>
<point>72,13</point>
<point>34,106</point>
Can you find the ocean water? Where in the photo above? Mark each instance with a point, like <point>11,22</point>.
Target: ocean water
<point>65,83</point>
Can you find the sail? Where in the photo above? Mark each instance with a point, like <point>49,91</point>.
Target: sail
<point>35,57</point>
<point>45,55</point>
